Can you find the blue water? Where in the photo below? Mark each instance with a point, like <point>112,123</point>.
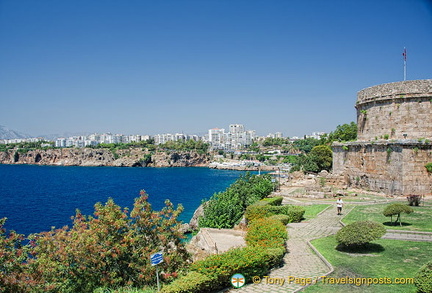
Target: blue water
<point>36,198</point>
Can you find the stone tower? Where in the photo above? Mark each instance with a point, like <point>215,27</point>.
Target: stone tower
<point>394,140</point>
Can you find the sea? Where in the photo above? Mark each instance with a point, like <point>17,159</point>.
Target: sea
<point>36,198</point>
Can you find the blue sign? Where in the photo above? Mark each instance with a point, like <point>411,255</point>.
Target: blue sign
<point>156,258</point>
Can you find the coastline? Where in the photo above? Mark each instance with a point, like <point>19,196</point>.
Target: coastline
<point>134,157</point>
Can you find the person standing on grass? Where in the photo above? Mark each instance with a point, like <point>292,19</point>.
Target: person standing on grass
<point>339,205</point>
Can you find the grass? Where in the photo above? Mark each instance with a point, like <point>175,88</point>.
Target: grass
<point>417,221</point>
<point>382,259</point>
<point>313,210</point>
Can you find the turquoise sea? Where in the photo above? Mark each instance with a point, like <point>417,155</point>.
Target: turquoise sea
<point>36,198</point>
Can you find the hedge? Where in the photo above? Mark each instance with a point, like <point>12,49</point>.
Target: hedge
<point>423,278</point>
<point>284,219</point>
<point>295,213</point>
<point>192,282</point>
<point>273,201</point>
<point>266,232</point>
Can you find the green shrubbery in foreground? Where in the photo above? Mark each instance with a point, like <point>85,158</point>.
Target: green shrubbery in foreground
<point>423,278</point>
<point>265,239</point>
<point>266,248</point>
<point>110,249</point>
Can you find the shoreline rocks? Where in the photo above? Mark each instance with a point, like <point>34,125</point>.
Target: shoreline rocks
<point>105,157</point>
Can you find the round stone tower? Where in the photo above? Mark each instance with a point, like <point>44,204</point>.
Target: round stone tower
<point>399,110</point>
<point>394,140</point>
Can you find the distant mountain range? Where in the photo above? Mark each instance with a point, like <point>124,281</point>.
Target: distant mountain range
<point>6,133</point>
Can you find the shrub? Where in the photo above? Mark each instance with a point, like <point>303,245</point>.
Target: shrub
<point>423,278</point>
<point>428,167</point>
<point>192,282</point>
<point>111,249</point>
<point>272,201</point>
<point>249,261</point>
<point>414,200</point>
<point>226,209</point>
<point>285,219</point>
<point>295,213</point>
<point>13,258</point>
<point>275,256</point>
<point>266,232</point>
<point>360,233</point>
<point>396,209</point>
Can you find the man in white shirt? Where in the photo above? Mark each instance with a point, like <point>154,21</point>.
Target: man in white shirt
<point>339,205</point>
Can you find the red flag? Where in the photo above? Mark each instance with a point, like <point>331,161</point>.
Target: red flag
<point>404,54</point>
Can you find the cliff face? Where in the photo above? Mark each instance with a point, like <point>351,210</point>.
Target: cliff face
<point>104,157</point>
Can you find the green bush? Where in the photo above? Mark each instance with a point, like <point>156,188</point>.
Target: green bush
<point>192,282</point>
<point>275,256</point>
<point>273,201</point>
<point>423,278</point>
<point>360,233</point>
<point>249,261</point>
<point>395,209</point>
<point>285,219</point>
<point>266,232</point>
<point>226,209</point>
<point>295,213</point>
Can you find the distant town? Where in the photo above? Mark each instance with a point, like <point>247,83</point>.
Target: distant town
<point>237,137</point>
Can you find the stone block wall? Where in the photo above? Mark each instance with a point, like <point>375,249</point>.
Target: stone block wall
<point>400,110</point>
<point>393,140</point>
<point>395,168</point>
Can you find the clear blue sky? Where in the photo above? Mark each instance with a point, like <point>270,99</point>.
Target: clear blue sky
<point>153,67</point>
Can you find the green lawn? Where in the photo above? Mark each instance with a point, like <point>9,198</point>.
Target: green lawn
<point>417,221</point>
<point>313,210</point>
<point>384,259</point>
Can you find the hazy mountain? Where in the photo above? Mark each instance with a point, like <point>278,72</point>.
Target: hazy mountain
<point>6,133</point>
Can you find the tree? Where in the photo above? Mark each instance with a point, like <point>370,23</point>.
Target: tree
<point>110,249</point>
<point>322,155</point>
<point>306,145</point>
<point>13,258</point>
<point>344,132</point>
<point>396,209</point>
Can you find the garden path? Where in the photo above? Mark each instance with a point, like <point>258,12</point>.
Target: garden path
<point>301,261</point>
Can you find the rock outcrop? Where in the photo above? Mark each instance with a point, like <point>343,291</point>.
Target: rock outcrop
<point>133,157</point>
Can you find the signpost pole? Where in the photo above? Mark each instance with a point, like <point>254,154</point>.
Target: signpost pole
<point>157,278</point>
<point>156,259</point>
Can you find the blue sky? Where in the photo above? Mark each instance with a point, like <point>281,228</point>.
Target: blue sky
<point>153,67</point>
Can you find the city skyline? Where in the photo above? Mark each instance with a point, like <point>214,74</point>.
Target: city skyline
<point>165,67</point>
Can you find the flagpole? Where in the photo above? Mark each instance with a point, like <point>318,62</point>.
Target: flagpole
<point>405,62</point>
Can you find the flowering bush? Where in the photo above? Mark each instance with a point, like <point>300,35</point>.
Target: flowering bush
<point>266,232</point>
<point>110,249</point>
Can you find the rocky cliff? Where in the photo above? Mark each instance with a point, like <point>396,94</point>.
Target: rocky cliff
<point>105,157</point>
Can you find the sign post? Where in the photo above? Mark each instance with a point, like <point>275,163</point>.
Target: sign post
<point>156,259</point>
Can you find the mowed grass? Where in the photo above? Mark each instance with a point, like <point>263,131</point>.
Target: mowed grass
<point>383,259</point>
<point>313,210</point>
<point>419,220</point>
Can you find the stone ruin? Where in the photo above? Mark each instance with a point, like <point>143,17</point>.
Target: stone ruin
<point>394,140</point>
